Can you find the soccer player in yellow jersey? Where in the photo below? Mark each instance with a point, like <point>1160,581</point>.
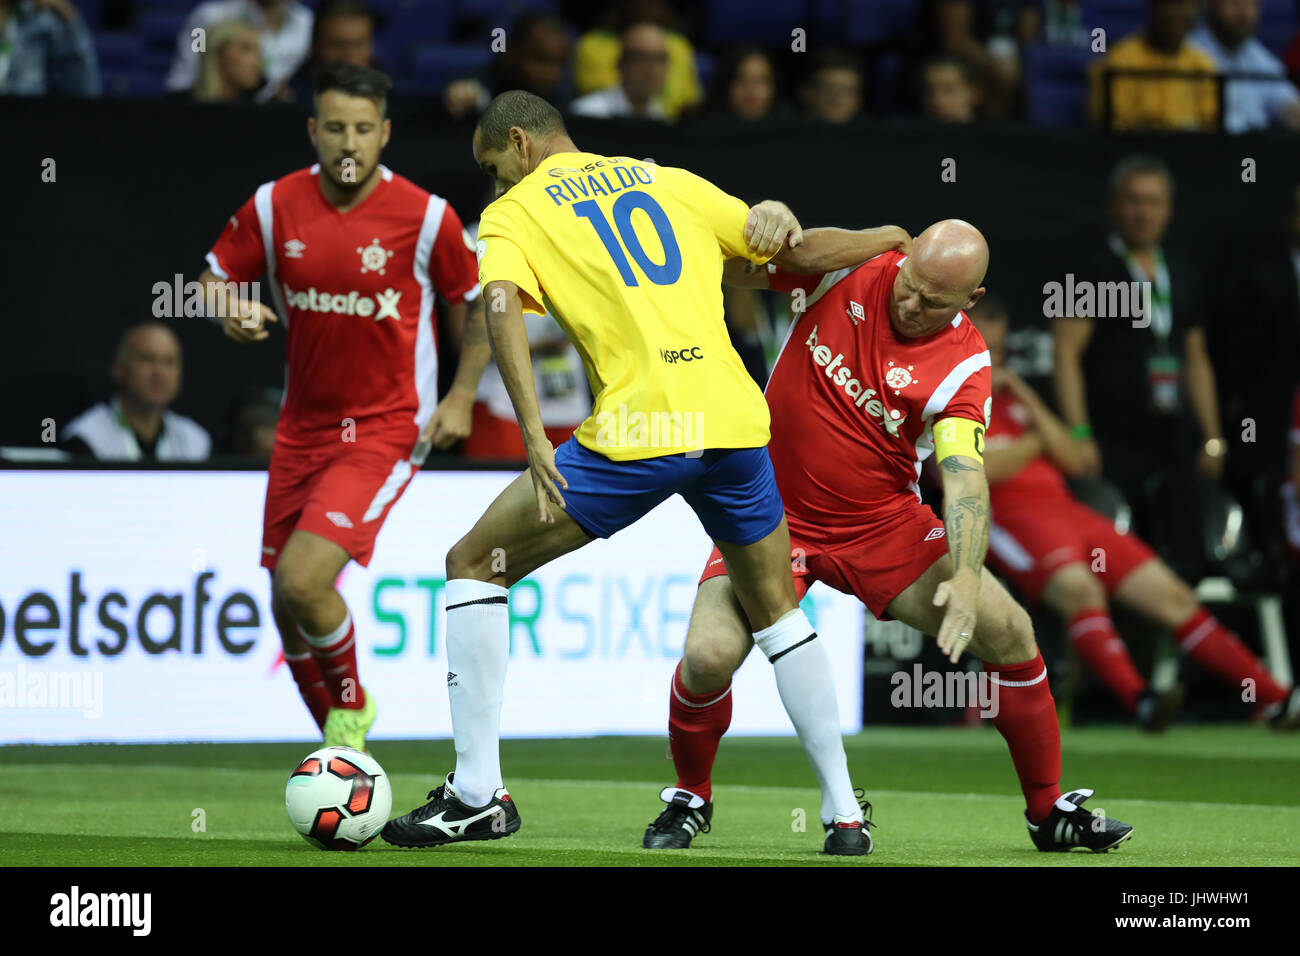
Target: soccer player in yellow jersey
<point>627,256</point>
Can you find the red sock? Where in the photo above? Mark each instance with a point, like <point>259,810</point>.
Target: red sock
<point>696,724</point>
<point>311,686</point>
<point>1093,635</point>
<point>336,656</point>
<point>1026,720</point>
<point>1207,642</point>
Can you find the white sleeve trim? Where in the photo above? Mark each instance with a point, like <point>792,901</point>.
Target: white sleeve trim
<point>955,379</point>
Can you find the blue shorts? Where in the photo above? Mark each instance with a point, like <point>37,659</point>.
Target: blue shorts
<point>731,490</point>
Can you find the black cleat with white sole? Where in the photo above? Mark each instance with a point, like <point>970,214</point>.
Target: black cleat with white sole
<point>686,815</point>
<point>1069,826</point>
<point>846,837</point>
<point>447,819</point>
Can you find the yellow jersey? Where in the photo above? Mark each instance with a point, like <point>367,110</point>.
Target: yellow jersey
<point>627,257</point>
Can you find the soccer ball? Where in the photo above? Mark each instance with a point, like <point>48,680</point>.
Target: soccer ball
<point>338,798</point>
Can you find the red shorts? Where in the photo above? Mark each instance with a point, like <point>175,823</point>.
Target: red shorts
<point>1028,545</point>
<point>875,560</point>
<point>500,438</point>
<point>341,491</point>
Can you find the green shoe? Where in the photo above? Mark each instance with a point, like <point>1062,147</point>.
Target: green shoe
<point>348,727</point>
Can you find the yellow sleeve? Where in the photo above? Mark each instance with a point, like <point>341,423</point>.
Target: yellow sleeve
<point>958,436</point>
<point>500,257</point>
<point>724,213</point>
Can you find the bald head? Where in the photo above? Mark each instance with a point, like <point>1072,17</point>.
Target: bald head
<point>940,278</point>
<point>952,253</point>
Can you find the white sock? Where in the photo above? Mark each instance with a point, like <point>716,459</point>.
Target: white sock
<point>478,650</point>
<point>807,686</point>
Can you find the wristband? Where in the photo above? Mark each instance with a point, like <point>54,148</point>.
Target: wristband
<point>1081,432</point>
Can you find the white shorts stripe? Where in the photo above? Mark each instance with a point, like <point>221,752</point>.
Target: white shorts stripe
<point>1008,550</point>
<point>398,477</point>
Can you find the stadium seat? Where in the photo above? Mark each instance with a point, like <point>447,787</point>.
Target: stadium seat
<point>160,28</point>
<point>885,89</point>
<point>743,21</point>
<point>704,65</point>
<point>1105,498</point>
<point>433,65</point>
<point>119,50</point>
<point>91,11</point>
<point>137,83</point>
<point>403,22</point>
<point>872,24</point>
<point>1056,84</point>
<point>1277,24</point>
<point>1118,18</point>
<point>1214,554</point>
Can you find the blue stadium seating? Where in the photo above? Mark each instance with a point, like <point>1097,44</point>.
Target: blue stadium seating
<point>119,50</point>
<point>1056,84</point>
<point>1278,23</point>
<point>433,65</point>
<point>885,89</point>
<point>133,83</point>
<point>743,21</point>
<point>404,22</point>
<point>90,11</point>
<point>160,28</point>
<point>1118,18</point>
<point>879,22</point>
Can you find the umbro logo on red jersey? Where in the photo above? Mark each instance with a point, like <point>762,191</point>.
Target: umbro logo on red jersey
<point>294,248</point>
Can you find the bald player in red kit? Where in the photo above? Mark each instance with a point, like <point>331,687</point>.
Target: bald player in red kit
<point>880,372</point>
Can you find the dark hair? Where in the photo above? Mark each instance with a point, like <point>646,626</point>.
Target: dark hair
<point>1134,164</point>
<point>531,20</point>
<point>834,60</point>
<point>719,98</point>
<point>341,9</point>
<point>354,80</point>
<point>519,108</point>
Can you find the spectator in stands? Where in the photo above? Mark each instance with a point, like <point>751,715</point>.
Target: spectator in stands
<point>642,72</point>
<point>1048,544</point>
<point>536,59</point>
<point>832,91</point>
<point>950,92</point>
<point>1056,23</point>
<point>745,85</point>
<point>230,70</point>
<point>984,34</point>
<point>285,28</point>
<point>599,51</point>
<point>1228,35</point>
<point>343,32</point>
<point>1135,397</point>
<point>253,432</point>
<point>45,47</point>
<point>135,424</point>
<point>1187,102</point>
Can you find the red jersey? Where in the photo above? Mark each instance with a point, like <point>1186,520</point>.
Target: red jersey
<point>355,291</point>
<point>853,402</point>
<point>1038,480</point>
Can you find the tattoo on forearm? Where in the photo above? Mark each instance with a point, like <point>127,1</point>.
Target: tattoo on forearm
<point>952,464</point>
<point>967,521</point>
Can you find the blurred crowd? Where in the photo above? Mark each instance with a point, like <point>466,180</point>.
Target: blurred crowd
<point>1125,64</point>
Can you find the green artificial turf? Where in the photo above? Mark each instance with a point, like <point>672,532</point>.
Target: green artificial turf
<point>1197,796</point>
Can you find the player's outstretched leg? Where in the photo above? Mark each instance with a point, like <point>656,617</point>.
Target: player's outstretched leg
<point>1075,593</point>
<point>699,713</point>
<point>764,587</point>
<point>303,587</point>
<point>1154,590</point>
<point>505,545</point>
<point>1025,711</point>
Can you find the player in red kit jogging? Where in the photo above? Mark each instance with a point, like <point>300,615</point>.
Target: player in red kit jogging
<point>1048,545</point>
<point>882,371</point>
<point>353,256</point>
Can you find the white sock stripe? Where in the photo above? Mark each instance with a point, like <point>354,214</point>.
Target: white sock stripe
<point>1020,683</point>
<point>1198,635</point>
<point>297,657</point>
<point>333,637</point>
<point>687,703</point>
<point>339,650</point>
<point>1097,622</point>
